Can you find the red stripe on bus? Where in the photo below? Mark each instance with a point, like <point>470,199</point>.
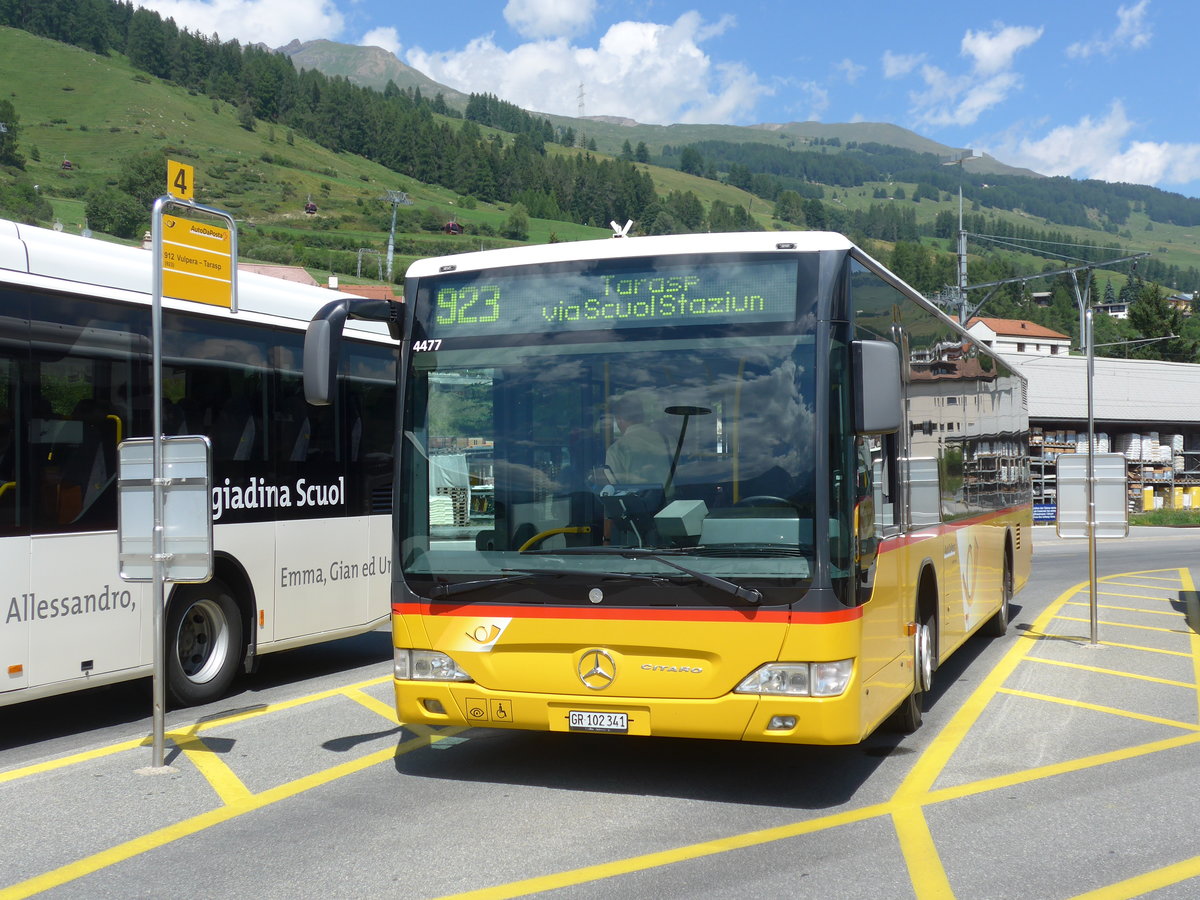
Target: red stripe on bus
<point>941,529</point>
<point>783,616</point>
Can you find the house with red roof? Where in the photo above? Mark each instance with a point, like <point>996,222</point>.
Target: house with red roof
<point>1019,336</point>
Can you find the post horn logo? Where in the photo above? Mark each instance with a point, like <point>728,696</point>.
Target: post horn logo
<point>597,670</point>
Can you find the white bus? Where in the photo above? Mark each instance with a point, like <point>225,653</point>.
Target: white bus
<point>301,498</point>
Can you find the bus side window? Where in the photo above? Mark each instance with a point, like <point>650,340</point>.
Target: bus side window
<point>9,448</point>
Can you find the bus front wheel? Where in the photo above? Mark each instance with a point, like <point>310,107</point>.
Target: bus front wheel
<point>204,643</point>
<point>907,717</point>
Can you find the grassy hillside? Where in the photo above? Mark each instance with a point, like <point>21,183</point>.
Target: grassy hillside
<point>99,111</point>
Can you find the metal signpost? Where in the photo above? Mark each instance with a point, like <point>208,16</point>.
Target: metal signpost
<point>193,261</point>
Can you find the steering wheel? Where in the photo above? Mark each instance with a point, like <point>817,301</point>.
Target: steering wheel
<point>769,500</point>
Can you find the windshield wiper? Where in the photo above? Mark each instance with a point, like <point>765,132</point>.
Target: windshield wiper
<point>461,587</point>
<point>750,595</point>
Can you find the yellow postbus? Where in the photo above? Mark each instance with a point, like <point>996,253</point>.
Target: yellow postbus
<point>739,486</point>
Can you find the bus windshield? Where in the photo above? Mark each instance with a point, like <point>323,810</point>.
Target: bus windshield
<point>611,450</point>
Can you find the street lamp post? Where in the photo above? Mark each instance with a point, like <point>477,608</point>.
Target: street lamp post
<point>1085,332</point>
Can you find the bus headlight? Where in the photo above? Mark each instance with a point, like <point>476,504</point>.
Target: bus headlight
<point>823,679</point>
<point>426,665</point>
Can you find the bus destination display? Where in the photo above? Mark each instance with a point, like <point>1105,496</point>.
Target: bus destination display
<point>512,302</point>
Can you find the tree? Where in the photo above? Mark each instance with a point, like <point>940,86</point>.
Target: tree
<point>1153,317</point>
<point>143,177</point>
<point>516,226</point>
<point>627,151</point>
<point>641,153</point>
<point>116,213</point>
<point>789,207</point>
<point>691,161</point>
<point>9,129</point>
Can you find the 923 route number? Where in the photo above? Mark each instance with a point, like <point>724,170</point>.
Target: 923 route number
<point>470,305</point>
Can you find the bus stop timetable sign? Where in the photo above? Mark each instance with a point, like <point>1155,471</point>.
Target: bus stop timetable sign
<point>197,261</point>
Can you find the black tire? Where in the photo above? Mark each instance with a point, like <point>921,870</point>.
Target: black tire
<point>204,643</point>
<point>997,625</point>
<point>908,715</point>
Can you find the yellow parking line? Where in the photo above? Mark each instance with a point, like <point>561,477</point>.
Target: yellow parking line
<point>1142,648</point>
<point>163,836</point>
<point>1135,574</point>
<point>1069,767</point>
<point>668,857</point>
<point>203,725</point>
<point>1134,596</point>
<point>925,868</point>
<point>1095,707</point>
<point>1133,609</point>
<point>228,786</point>
<point>1107,624</point>
<point>1120,674</point>
<point>1193,640</point>
<point>74,759</point>
<point>387,710</point>
<point>1141,885</point>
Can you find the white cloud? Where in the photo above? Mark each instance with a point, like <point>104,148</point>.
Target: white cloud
<point>850,70</point>
<point>897,65</point>
<point>650,72</point>
<point>387,38</point>
<point>1100,148</point>
<point>271,22</point>
<point>994,51</point>
<point>549,18</point>
<point>1132,31</point>
<point>961,99</point>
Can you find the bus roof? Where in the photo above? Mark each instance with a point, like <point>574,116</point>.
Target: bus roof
<point>659,245</point>
<point>90,263</point>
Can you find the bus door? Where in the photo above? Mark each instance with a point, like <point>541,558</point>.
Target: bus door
<point>14,525</point>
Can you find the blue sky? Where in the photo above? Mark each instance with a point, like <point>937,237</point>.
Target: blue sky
<point>1105,89</point>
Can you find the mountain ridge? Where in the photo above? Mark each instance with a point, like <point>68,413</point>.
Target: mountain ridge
<point>374,67</point>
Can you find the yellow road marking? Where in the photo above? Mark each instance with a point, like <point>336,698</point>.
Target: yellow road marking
<point>925,868</point>
<point>905,807</point>
<point>1108,624</point>
<point>1193,639</point>
<point>1100,593</point>
<point>1143,884</point>
<point>204,725</point>
<point>216,772</point>
<point>1133,609</point>
<point>198,823</point>
<point>1095,707</point>
<point>1069,767</point>
<point>387,710</point>
<point>1144,649</point>
<point>668,857</point>
<point>1100,671</point>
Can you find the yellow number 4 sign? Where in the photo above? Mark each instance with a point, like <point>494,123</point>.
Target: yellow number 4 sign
<point>180,180</point>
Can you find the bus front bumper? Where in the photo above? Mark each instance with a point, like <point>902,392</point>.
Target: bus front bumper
<point>746,717</point>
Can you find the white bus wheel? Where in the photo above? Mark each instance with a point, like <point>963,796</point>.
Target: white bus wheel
<point>204,643</point>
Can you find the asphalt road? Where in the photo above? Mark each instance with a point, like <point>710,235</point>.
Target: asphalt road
<point>1046,767</point>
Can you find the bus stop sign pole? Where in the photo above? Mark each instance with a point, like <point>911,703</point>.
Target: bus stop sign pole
<point>159,482</point>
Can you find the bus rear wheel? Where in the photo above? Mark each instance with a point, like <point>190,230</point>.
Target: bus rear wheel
<point>997,625</point>
<point>204,643</point>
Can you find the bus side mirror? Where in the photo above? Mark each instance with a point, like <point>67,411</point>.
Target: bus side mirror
<point>878,402</point>
<point>323,341</point>
<point>322,348</point>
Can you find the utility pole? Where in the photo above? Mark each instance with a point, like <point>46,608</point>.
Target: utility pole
<point>396,198</point>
